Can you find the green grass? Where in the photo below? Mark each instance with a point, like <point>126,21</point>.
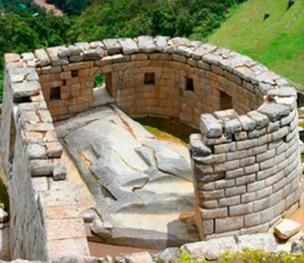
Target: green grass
<point>277,42</point>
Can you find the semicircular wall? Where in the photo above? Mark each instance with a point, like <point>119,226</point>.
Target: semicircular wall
<point>246,161</point>
<point>189,78</point>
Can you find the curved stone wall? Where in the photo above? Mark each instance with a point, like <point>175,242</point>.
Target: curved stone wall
<point>246,161</point>
<point>173,62</point>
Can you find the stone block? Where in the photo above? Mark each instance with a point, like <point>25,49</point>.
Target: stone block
<point>129,46</point>
<point>235,173</point>
<point>42,56</point>
<point>252,220</point>
<point>261,204</point>
<point>203,50</point>
<point>286,229</point>
<point>72,50</point>
<point>228,224</point>
<point>248,197</point>
<point>264,192</point>
<point>264,139</point>
<point>25,89</point>
<point>252,169</point>
<point>232,126</point>
<point>215,194</point>
<point>261,120</point>
<point>241,209</point>
<point>247,161</point>
<point>257,133</point>
<point>210,126</point>
<point>266,215</point>
<point>54,149</point>
<point>198,148</point>
<point>224,183</point>
<point>278,208</point>
<point>41,167</point>
<point>266,155</point>
<point>247,123</point>
<point>208,226</point>
<point>245,179</point>
<point>237,190</point>
<point>139,257</point>
<point>161,44</point>
<point>236,155</point>
<point>211,249</point>
<point>36,151</point>
<point>214,213</point>
<point>241,145</point>
<point>229,201</point>
<point>240,136</point>
<point>274,111</point>
<point>112,46</point>
<point>255,186</point>
<point>210,204</point>
<point>55,59</point>
<point>59,172</point>
<point>146,44</point>
<point>224,148</point>
<point>184,51</point>
<point>280,133</point>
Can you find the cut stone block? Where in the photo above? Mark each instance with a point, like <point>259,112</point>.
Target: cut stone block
<point>129,46</point>
<point>286,229</point>
<point>41,167</point>
<point>146,44</point>
<point>25,89</point>
<point>274,111</point>
<point>112,46</point>
<point>210,126</point>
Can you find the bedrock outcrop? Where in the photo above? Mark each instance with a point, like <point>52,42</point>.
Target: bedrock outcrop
<point>136,180</point>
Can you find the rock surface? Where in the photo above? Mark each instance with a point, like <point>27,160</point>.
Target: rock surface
<point>214,248</point>
<point>286,229</point>
<point>143,188</point>
<point>297,247</point>
<point>3,216</point>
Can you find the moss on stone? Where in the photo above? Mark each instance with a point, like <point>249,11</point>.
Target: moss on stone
<point>254,256</point>
<point>168,129</point>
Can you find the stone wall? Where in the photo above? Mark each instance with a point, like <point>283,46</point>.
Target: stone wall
<point>44,220</point>
<point>246,161</point>
<point>247,167</point>
<point>125,62</point>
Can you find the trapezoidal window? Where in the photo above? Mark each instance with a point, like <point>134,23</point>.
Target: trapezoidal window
<point>149,78</point>
<point>55,93</point>
<point>103,89</point>
<point>225,101</point>
<point>74,73</point>
<point>189,84</point>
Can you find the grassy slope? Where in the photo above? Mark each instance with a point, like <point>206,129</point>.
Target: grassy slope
<point>277,42</point>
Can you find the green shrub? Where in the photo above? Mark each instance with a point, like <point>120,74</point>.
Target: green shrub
<point>254,256</point>
<point>186,258</point>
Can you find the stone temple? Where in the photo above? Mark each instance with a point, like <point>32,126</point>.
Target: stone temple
<point>78,168</point>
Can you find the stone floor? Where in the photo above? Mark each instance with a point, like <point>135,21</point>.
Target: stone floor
<point>148,195</point>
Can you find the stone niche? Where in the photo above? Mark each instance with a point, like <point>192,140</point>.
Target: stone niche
<point>246,160</point>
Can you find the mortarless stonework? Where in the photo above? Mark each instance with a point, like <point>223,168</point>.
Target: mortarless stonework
<point>246,161</point>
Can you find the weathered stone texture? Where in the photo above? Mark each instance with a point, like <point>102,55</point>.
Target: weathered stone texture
<point>246,164</point>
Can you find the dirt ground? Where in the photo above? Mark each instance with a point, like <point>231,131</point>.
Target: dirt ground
<point>102,250</point>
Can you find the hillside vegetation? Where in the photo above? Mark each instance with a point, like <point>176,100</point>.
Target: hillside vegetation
<point>277,42</point>
<point>25,26</point>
